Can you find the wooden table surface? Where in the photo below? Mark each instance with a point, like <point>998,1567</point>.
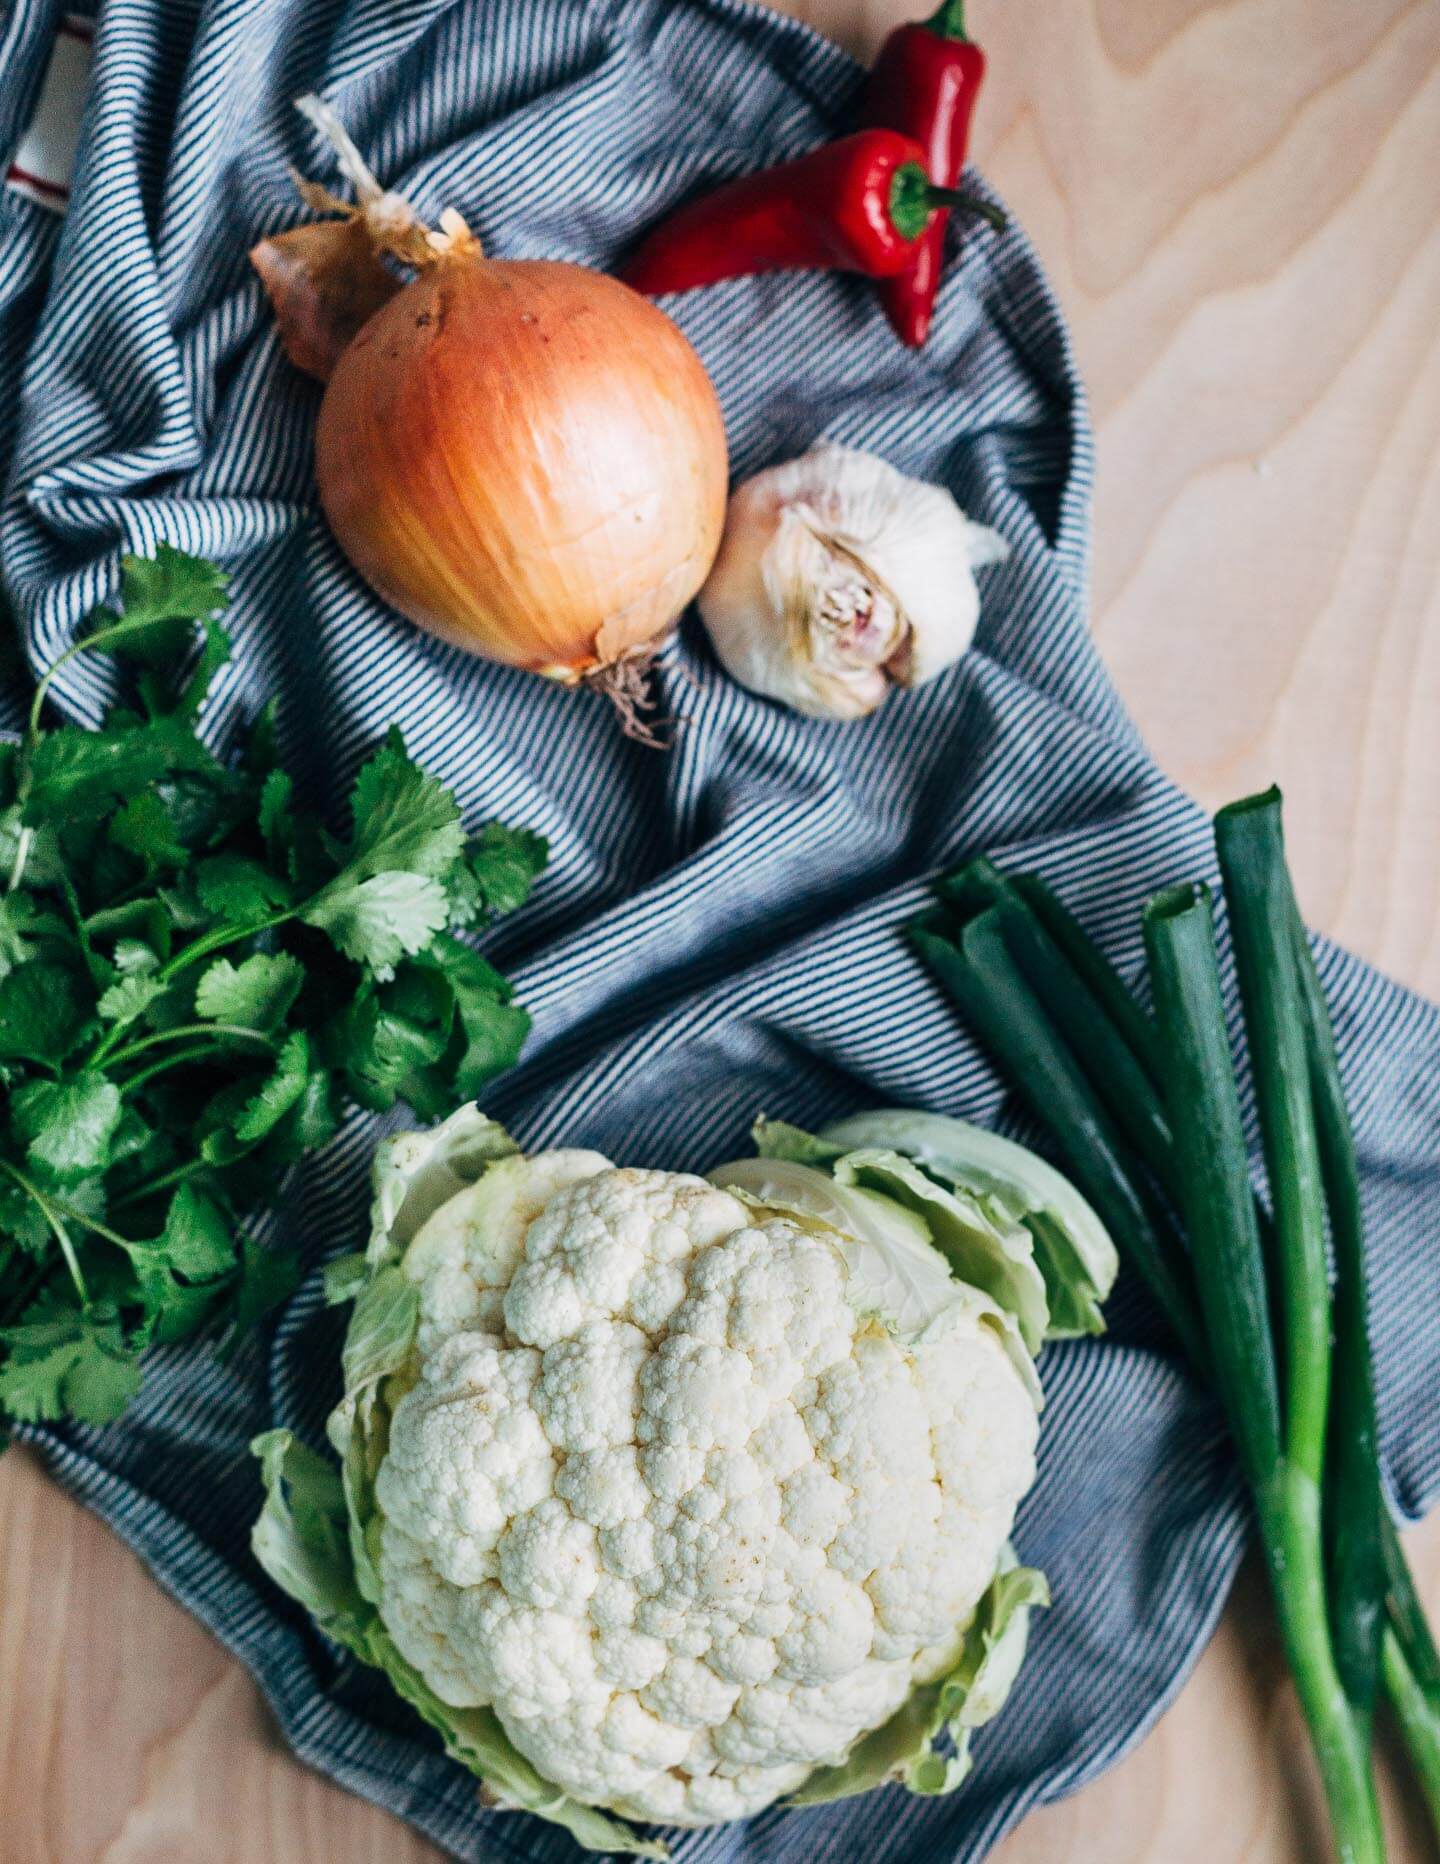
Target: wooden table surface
<point>1239,203</point>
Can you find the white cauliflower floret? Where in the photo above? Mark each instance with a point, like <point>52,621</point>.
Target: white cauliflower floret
<point>588,1395</point>
<point>463,1258</point>
<point>662,1498</point>
<point>548,1557</point>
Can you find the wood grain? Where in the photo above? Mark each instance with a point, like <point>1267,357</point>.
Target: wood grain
<point>1239,204</point>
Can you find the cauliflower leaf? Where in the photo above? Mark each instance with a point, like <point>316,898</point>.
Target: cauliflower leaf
<point>416,1172</point>
<point>896,1274</point>
<point>904,1749</point>
<point>1074,1252</point>
<point>997,1257</point>
<point>894,1270</point>
<point>302,1539</point>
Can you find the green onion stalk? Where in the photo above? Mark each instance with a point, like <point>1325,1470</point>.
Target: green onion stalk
<point>1282,1463</point>
<point>1146,1116</point>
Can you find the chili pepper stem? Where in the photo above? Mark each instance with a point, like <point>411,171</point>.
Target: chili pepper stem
<point>914,198</point>
<point>959,202</point>
<point>948,20</point>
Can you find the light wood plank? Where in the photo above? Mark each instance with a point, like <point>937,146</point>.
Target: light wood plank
<point>1239,204</point>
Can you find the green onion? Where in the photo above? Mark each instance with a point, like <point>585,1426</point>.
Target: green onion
<point>977,969</point>
<point>1407,1616</point>
<point>1086,958</point>
<point>1213,1171</point>
<point>1410,1668</point>
<point>1257,890</point>
<point>1355,1505</point>
<point>1219,1210</point>
<point>1411,1665</point>
<point>1099,973</point>
<point>1415,1710</point>
<point>1084,1022</point>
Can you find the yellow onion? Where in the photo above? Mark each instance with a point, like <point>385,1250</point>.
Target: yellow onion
<point>525,457</point>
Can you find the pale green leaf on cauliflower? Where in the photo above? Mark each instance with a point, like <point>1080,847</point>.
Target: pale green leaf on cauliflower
<point>1073,1250</point>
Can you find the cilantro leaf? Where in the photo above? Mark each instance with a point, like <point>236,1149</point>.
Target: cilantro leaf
<point>273,817</point>
<point>128,999</point>
<point>267,1277</point>
<point>239,889</point>
<point>492,1027</point>
<point>198,1240</point>
<point>144,828</point>
<point>504,862</point>
<point>132,1134</point>
<point>144,919</point>
<point>279,1093</point>
<point>391,1032</point>
<point>259,993</point>
<point>75,774</point>
<point>32,1383</point>
<point>312,1121</point>
<point>22,1218</point>
<point>105,1374</point>
<point>132,957</point>
<point>175,1310</point>
<point>163,597</point>
<point>42,1013</point>
<point>184,1271</point>
<point>66,1126</point>
<point>65,1359</point>
<point>381,920</point>
<point>464,895</point>
<point>262,752</point>
<point>215,649</point>
<point>22,926</point>
<point>404,820</point>
<point>183,907</point>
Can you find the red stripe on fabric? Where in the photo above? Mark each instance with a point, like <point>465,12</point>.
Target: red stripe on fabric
<point>16,173</point>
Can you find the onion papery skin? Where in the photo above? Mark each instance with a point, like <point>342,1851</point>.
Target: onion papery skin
<point>526,458</point>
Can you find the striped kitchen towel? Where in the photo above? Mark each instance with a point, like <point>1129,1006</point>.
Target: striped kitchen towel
<point>717,931</point>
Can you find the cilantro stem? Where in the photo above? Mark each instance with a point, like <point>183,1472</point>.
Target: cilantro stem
<point>89,1223</point>
<point>102,637</point>
<point>200,1053</point>
<point>176,1175</point>
<point>217,940</point>
<point>22,854</point>
<point>62,1235</point>
<point>116,1056</point>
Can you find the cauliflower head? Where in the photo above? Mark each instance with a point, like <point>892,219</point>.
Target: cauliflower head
<point>683,1496</point>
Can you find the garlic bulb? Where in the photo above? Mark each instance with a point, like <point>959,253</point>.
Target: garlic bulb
<point>838,577</point>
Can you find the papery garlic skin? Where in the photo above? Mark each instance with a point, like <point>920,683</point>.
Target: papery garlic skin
<point>839,577</point>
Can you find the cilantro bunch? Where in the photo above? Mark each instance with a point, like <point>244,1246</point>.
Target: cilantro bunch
<point>196,977</point>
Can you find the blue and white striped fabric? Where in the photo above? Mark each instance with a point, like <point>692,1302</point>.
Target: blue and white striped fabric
<point>717,932</point>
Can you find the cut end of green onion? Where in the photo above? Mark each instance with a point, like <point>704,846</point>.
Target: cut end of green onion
<point>1172,902</point>
<point>1247,805</point>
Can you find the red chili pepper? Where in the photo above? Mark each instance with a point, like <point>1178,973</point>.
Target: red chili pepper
<point>924,84</point>
<point>860,205</point>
